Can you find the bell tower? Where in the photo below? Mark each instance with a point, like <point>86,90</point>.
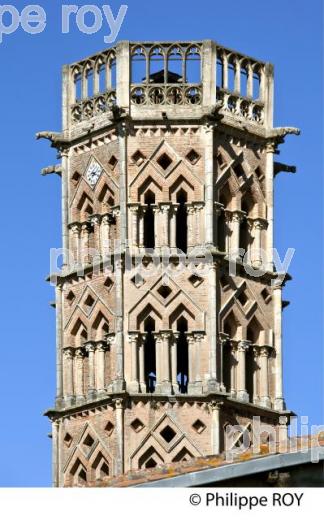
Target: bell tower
<point>168,303</point>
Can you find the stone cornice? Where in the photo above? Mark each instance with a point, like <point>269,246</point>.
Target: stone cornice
<point>205,398</point>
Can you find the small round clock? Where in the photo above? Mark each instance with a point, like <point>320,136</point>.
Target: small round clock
<point>93,173</point>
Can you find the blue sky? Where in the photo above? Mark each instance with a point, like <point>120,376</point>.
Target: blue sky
<point>286,33</point>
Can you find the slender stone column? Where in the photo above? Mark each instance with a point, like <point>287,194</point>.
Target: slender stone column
<point>59,343</point>
<point>65,187</point>
<point>237,217</point>
<point>215,408</point>
<point>90,348</point>
<point>55,453</point>
<point>212,328</point>
<point>165,210</point>
<point>174,370</point>
<point>165,362</point>
<point>173,227</point>
<point>270,150</point>
<point>119,383</point>
<point>198,336</point>
<point>134,208</point>
<point>277,309</point>
<point>191,363</point>
<point>158,361</point>
<point>141,226</point>
<point>142,384</point>
<point>119,407</point>
<point>190,224</point>
<point>157,230</point>
<point>249,90</point>
<point>133,339</point>
<point>237,76</point>
<point>209,184</point>
<point>228,230</point>
<point>264,378</point>
<point>233,348</point>
<point>258,226</point>
<point>225,71</point>
<point>75,229</point>
<point>222,344</point>
<point>241,383</point>
<point>256,396</point>
<point>198,208</point>
<point>97,238</point>
<point>68,374</point>
<point>85,258</point>
<point>79,371</point>
<point>100,367</point>
<point>283,434</point>
<point>105,236</point>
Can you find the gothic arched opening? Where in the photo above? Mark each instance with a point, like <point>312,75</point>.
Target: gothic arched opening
<point>181,223</point>
<point>182,356</point>
<point>149,230</point>
<point>221,227</point>
<point>245,238</point>
<point>227,358</point>
<point>149,355</point>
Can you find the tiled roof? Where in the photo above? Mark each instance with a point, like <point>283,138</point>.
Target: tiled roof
<point>167,471</point>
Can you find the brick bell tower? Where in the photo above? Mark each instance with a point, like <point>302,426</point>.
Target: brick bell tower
<point>167,150</point>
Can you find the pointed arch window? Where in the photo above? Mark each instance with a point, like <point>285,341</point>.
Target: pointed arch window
<point>149,224</point>
<point>181,221</point>
<point>149,355</point>
<point>182,355</point>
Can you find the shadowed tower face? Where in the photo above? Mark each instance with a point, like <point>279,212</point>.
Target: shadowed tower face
<point>167,154</point>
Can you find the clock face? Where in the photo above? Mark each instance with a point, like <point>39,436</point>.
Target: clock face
<point>93,173</point>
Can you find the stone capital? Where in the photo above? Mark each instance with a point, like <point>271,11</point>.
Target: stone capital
<point>75,227</point>
<point>90,347</point>
<point>264,351</point>
<point>166,334</point>
<point>198,335</point>
<point>157,336</point>
<point>243,345</point>
<point>134,207</point>
<point>237,215</point>
<point>259,223</point>
<point>119,403</point>
<point>101,346</point>
<point>133,336</point>
<point>79,353</point>
<point>216,405</point>
<point>68,352</point>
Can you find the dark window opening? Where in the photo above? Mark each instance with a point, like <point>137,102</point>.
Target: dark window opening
<point>78,87</point>
<point>90,85</point>
<point>168,434</point>
<point>149,231</point>
<point>221,232</point>
<point>227,355</point>
<point>82,476</point>
<point>193,66</point>
<point>182,356</point>
<point>150,464</point>
<point>138,67</point>
<point>219,73</point>
<point>149,356</point>
<point>244,235</point>
<point>113,74</point>
<point>181,224</point>
<point>164,161</point>
<point>238,170</point>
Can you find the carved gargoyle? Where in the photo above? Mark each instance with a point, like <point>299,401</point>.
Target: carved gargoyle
<point>282,131</point>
